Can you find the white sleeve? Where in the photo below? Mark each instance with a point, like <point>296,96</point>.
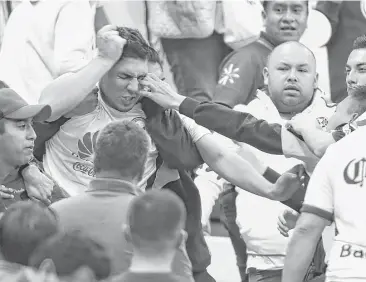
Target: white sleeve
<point>195,131</point>
<point>74,37</point>
<point>319,195</point>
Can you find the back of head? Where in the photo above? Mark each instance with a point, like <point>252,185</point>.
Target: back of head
<point>70,252</point>
<point>156,220</point>
<point>23,227</point>
<point>122,147</point>
<point>136,46</point>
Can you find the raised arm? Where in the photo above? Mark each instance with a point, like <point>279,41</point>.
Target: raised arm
<point>69,90</point>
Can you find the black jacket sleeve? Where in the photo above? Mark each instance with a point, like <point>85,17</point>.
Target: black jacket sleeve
<point>171,138</point>
<point>242,127</point>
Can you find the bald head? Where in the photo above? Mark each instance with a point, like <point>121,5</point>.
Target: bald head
<point>156,220</point>
<point>291,77</point>
<point>294,50</point>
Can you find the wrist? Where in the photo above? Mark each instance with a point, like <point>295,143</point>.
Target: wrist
<point>105,61</point>
<point>177,102</point>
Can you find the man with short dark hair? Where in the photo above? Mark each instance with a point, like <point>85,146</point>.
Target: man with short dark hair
<point>155,227</point>
<point>241,70</point>
<point>24,226</point>
<point>71,255</point>
<point>120,153</point>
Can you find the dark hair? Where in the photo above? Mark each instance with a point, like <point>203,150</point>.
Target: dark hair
<point>154,57</point>
<point>136,46</point>
<point>122,146</point>
<point>359,43</point>
<point>265,4</point>
<point>23,227</point>
<point>155,216</point>
<point>71,251</point>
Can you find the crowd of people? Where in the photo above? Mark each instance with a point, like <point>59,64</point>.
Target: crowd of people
<point>108,173</point>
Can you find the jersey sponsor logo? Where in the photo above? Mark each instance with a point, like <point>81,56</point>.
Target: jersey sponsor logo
<point>349,250</point>
<point>229,74</point>
<point>355,172</point>
<point>86,147</point>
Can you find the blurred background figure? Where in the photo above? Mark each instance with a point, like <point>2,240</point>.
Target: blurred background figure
<point>348,21</point>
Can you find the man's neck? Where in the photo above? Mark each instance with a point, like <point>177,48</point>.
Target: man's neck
<point>5,170</point>
<point>115,175</point>
<point>151,264</point>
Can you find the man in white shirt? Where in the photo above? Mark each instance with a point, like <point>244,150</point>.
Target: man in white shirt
<point>335,194</point>
<point>45,39</point>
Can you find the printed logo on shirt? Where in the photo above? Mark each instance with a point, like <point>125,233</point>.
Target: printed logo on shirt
<point>349,250</point>
<point>86,147</point>
<point>229,74</point>
<point>355,172</point>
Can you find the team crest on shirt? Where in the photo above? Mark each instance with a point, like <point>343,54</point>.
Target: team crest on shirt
<point>86,147</point>
<point>229,74</point>
<point>355,172</point>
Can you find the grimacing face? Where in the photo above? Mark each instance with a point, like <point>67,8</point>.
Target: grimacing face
<point>285,20</point>
<point>356,69</point>
<point>291,77</point>
<point>120,86</point>
<point>17,142</point>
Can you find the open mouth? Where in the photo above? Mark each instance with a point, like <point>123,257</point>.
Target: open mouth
<point>287,28</point>
<point>30,148</point>
<point>128,98</point>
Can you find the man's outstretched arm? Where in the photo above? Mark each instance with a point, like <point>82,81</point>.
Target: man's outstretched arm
<point>229,165</point>
<point>242,127</point>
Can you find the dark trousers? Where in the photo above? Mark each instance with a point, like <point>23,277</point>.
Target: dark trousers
<point>195,64</point>
<point>228,208</point>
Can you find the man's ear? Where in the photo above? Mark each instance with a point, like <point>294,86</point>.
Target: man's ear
<point>264,15</point>
<point>316,79</point>
<point>48,266</point>
<point>182,238</point>
<point>265,75</point>
<point>126,232</point>
<point>354,117</point>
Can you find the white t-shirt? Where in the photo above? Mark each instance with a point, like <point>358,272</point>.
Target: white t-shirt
<point>336,191</point>
<point>45,40</point>
<point>69,153</point>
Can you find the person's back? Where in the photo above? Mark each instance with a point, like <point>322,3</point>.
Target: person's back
<point>100,212</point>
<point>121,151</point>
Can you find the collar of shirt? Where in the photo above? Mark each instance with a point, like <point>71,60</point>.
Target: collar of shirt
<point>266,41</point>
<point>113,184</point>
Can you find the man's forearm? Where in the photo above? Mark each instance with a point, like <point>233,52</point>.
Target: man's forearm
<point>235,169</point>
<point>302,246</point>
<point>69,90</point>
<point>239,126</point>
